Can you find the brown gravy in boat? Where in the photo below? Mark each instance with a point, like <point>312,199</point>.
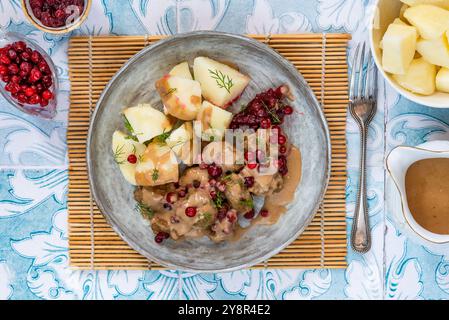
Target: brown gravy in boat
<point>427,190</point>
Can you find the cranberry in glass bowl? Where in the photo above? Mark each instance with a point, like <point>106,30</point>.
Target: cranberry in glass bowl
<point>56,16</point>
<point>27,76</point>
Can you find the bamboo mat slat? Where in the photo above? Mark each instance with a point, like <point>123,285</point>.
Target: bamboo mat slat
<point>322,61</point>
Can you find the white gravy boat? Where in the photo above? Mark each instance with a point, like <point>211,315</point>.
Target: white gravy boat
<point>397,162</point>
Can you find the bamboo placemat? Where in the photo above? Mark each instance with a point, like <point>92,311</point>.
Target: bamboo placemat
<point>321,58</point>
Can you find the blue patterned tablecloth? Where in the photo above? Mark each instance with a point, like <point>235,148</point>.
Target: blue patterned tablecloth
<point>33,172</point>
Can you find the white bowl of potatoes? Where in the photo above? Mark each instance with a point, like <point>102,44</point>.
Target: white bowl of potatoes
<point>410,44</point>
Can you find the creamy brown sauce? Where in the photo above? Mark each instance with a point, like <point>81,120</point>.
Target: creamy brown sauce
<point>276,204</point>
<point>179,226</point>
<point>205,117</point>
<point>427,189</point>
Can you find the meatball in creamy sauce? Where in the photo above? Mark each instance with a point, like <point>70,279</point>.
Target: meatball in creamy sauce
<point>199,205</point>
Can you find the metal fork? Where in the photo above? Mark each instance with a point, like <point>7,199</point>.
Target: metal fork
<point>362,107</point>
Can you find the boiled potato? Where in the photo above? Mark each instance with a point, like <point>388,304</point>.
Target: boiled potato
<point>442,80</point>
<point>399,21</point>
<point>431,21</point>
<point>401,12</point>
<point>179,137</point>
<point>399,46</point>
<point>146,122</point>
<point>220,83</point>
<point>214,121</point>
<point>402,23</point>
<point>191,151</point>
<point>158,166</point>
<point>439,3</point>
<point>181,70</point>
<point>396,21</point>
<point>420,77</point>
<point>435,51</point>
<point>181,96</point>
<point>122,148</point>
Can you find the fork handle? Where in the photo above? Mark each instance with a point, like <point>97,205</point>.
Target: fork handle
<point>360,235</point>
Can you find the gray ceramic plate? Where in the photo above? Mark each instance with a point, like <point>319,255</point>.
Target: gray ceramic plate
<point>134,83</point>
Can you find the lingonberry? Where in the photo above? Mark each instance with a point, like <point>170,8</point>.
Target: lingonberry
<point>190,212</point>
<point>131,158</point>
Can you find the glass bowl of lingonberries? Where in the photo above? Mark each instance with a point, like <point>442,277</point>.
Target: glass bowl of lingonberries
<point>27,76</point>
<point>56,16</point>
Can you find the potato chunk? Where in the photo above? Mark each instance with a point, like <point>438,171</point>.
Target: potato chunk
<point>181,70</point>
<point>431,21</point>
<point>399,21</point>
<point>157,166</point>
<point>122,148</point>
<point>214,121</point>
<point>220,84</point>
<point>181,96</point>
<point>434,51</point>
<point>180,137</point>
<point>146,122</point>
<point>442,80</point>
<point>420,77</point>
<point>402,10</point>
<point>439,3</point>
<point>399,46</point>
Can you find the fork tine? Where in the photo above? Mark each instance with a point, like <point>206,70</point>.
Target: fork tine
<point>360,68</point>
<point>353,75</point>
<point>375,81</point>
<point>368,90</point>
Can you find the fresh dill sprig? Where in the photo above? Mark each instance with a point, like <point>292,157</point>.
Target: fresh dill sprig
<point>247,202</point>
<point>128,125</point>
<point>118,153</point>
<point>179,142</point>
<point>219,200</point>
<point>223,81</point>
<point>161,139</point>
<point>273,114</point>
<point>227,177</point>
<point>155,174</point>
<point>130,129</point>
<point>131,138</point>
<point>229,181</point>
<point>170,91</point>
<point>140,157</point>
<point>205,220</point>
<point>144,209</point>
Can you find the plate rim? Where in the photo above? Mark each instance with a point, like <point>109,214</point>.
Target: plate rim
<point>289,66</point>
